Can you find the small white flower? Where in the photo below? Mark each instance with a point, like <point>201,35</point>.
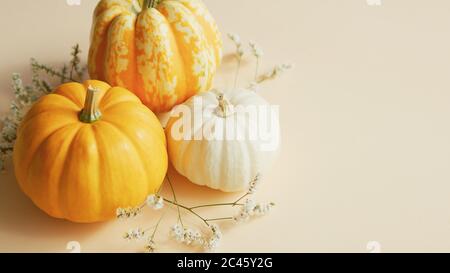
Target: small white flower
<point>155,202</point>
<point>120,213</point>
<point>256,50</point>
<point>134,234</point>
<point>150,247</point>
<point>249,206</point>
<point>242,216</point>
<point>263,209</point>
<point>177,232</point>
<point>235,39</point>
<point>254,184</point>
<point>240,52</point>
<point>198,238</point>
<point>216,231</point>
<point>127,213</point>
<point>212,244</point>
<point>189,236</point>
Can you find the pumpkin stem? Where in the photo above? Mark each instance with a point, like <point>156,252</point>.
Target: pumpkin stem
<point>225,108</point>
<point>149,4</point>
<point>90,112</point>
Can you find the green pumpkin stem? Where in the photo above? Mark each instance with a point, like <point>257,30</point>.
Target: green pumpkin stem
<point>90,112</point>
<point>225,108</point>
<point>149,4</point>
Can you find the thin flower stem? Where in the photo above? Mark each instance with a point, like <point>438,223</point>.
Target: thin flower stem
<point>175,199</point>
<point>236,77</point>
<point>257,69</point>
<point>237,201</point>
<point>188,209</point>
<point>156,227</point>
<point>219,219</point>
<point>216,205</point>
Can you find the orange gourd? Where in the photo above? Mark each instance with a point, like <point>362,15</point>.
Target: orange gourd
<point>165,51</point>
<point>87,149</point>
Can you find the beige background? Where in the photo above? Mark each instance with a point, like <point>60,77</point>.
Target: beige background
<point>365,119</point>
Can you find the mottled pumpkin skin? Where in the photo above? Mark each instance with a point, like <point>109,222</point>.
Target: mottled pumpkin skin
<point>164,54</point>
<point>83,172</point>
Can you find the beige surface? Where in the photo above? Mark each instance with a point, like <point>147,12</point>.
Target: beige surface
<point>365,119</point>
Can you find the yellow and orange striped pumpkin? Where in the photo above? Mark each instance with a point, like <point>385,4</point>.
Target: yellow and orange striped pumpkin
<point>165,51</point>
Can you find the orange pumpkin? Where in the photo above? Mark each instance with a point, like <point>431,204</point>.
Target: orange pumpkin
<point>164,51</point>
<point>80,155</point>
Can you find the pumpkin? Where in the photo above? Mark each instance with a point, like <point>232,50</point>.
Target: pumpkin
<point>164,51</point>
<point>223,141</point>
<point>87,149</point>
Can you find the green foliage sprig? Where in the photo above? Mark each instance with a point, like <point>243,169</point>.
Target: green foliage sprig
<point>42,77</point>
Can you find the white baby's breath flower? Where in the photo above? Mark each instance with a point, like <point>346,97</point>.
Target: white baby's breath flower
<point>256,50</point>
<point>216,231</point>
<point>134,234</point>
<point>198,237</point>
<point>155,202</point>
<point>177,232</point>
<point>263,208</point>
<point>214,240</point>
<point>189,236</point>
<point>249,209</point>
<point>242,216</point>
<point>211,245</point>
<point>236,39</point>
<point>150,246</point>
<point>248,206</point>
<point>127,213</point>
<point>254,184</point>
<point>240,52</point>
<point>280,69</point>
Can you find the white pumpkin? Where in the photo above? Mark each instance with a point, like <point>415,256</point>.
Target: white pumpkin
<point>223,141</point>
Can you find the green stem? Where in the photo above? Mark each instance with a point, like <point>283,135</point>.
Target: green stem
<point>90,112</point>
<point>150,4</point>
<point>236,77</point>
<point>175,199</point>
<point>257,69</point>
<point>186,208</point>
<point>242,197</point>
<point>216,205</point>
<point>219,219</point>
<point>156,227</point>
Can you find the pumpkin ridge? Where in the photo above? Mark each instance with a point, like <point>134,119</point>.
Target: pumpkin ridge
<point>61,153</point>
<point>210,65</point>
<point>28,162</point>
<point>112,100</point>
<point>135,148</point>
<point>182,60</point>
<point>32,118</point>
<point>74,87</point>
<point>31,154</point>
<point>62,109</point>
<point>117,63</point>
<point>157,132</point>
<point>63,182</point>
<point>100,185</point>
<point>107,4</point>
<point>99,40</point>
<point>182,11</point>
<point>205,18</point>
<point>138,151</point>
